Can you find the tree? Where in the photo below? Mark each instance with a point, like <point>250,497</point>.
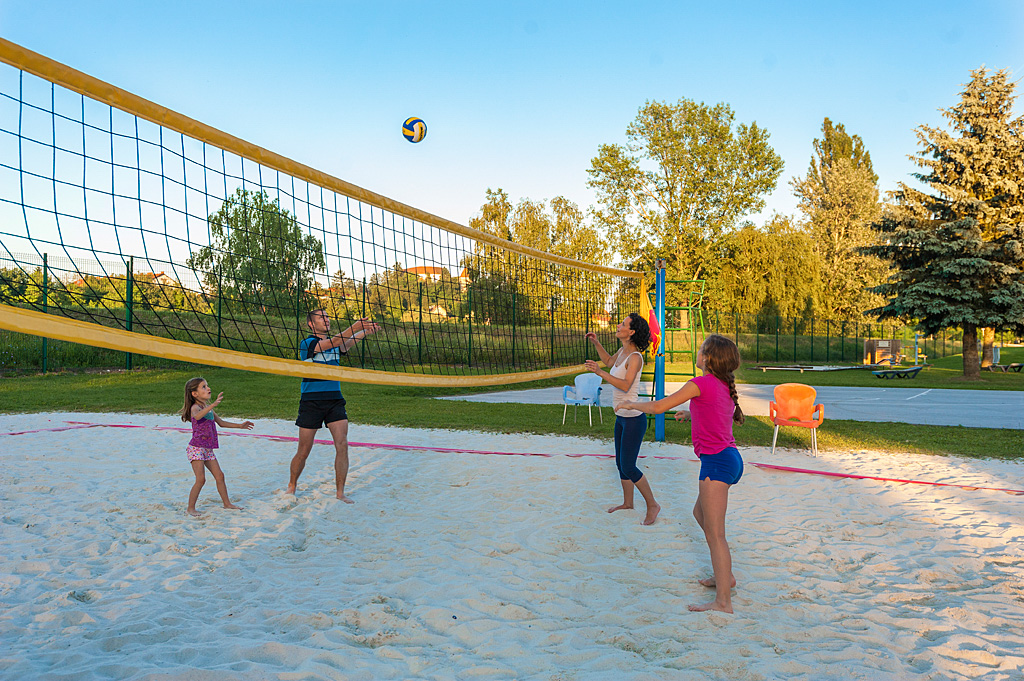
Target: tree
<point>560,230</point>
<point>957,252</point>
<point>681,183</point>
<point>258,254</point>
<point>773,267</point>
<point>839,197</point>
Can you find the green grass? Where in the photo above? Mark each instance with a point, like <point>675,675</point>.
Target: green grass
<point>255,396</point>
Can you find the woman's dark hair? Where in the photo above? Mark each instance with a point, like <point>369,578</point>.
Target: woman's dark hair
<point>721,359</point>
<point>641,331</point>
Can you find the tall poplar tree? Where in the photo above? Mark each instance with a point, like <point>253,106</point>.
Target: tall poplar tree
<point>957,250</point>
<point>839,197</point>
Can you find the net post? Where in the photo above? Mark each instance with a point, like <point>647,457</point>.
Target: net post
<point>469,358</point>
<point>128,309</point>
<point>659,358</point>
<point>46,302</point>
<point>514,295</point>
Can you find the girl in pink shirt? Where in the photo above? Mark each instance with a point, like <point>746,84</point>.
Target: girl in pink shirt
<point>714,407</point>
<point>199,411</point>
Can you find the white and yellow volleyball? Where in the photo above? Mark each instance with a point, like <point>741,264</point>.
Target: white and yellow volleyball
<point>414,129</point>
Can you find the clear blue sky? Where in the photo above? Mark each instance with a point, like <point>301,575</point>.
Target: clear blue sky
<point>519,95</point>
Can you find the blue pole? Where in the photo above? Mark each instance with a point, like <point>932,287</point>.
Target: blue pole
<point>659,359</point>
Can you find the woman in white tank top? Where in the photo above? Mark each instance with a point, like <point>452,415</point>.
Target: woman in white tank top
<point>626,364</point>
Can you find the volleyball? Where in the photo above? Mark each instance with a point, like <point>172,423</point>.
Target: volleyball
<point>414,129</point>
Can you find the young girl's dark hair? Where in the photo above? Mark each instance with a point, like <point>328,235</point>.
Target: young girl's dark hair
<point>722,358</point>
<point>641,331</point>
<point>192,385</point>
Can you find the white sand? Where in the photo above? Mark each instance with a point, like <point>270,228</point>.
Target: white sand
<point>466,566</point>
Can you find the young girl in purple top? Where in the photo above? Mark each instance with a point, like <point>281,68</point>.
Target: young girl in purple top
<point>714,407</point>
<point>199,410</point>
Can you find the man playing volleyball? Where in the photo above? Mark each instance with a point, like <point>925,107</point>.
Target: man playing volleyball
<point>321,403</point>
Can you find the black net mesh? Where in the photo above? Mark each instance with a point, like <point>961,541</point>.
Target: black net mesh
<point>109,218</point>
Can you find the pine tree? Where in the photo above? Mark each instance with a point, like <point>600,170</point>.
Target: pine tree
<point>957,251</point>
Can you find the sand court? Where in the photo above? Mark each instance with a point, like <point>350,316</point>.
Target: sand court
<point>462,566</point>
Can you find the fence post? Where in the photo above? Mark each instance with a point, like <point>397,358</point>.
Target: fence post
<point>793,319</point>
<point>419,334</point>
<point>736,321</point>
<point>757,339</point>
<point>128,309</point>
<point>362,346</point>
<point>812,339</point>
<point>587,332</point>
<point>298,293</point>
<point>220,274</point>
<point>828,340</point>
<point>842,342</point>
<point>552,331</point>
<point>778,323</point>
<point>514,296</point>
<point>46,302</point>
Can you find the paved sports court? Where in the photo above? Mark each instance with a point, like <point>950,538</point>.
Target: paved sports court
<point>974,408</point>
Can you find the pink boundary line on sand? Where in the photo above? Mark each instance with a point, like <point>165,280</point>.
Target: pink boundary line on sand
<point>373,445</point>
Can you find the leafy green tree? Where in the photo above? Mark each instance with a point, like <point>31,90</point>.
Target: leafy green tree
<point>259,254</point>
<point>681,183</point>
<point>839,197</point>
<point>772,267</point>
<point>957,251</point>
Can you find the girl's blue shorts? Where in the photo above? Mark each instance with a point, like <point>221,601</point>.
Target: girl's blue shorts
<point>726,466</point>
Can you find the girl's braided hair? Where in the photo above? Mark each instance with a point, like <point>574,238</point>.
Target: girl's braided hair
<point>721,359</point>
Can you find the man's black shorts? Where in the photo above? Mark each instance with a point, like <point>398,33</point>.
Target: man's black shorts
<point>317,413</point>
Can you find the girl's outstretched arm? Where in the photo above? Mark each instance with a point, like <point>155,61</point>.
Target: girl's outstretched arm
<point>247,425</point>
<point>684,394</point>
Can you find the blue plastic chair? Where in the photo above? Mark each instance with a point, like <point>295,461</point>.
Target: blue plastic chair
<point>586,391</point>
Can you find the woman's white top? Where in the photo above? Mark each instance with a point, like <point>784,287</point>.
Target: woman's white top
<point>619,396</point>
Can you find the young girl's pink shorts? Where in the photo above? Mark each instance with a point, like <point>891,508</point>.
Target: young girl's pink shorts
<point>200,454</point>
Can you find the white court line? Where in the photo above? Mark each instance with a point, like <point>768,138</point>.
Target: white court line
<point>919,394</point>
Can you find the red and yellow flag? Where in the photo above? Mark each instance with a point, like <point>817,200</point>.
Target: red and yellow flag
<point>647,312</point>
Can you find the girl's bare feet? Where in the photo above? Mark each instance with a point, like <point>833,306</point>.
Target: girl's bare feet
<point>711,605</point>
<point>710,582</point>
<point>193,512</point>
<point>652,514</point>
<point>237,508</point>
<point>620,507</point>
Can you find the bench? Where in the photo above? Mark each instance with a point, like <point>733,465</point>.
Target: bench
<point>908,372</point>
<point>1015,366</point>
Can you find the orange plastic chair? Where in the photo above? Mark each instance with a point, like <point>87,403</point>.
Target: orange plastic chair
<point>794,406</point>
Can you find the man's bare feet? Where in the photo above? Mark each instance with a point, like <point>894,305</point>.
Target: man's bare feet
<point>341,496</point>
<point>290,489</point>
<point>711,605</point>
<point>193,512</point>
<point>620,507</point>
<point>237,508</point>
<point>652,514</point>
<point>710,582</point>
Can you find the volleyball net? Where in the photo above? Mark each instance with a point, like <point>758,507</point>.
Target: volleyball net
<point>128,226</point>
